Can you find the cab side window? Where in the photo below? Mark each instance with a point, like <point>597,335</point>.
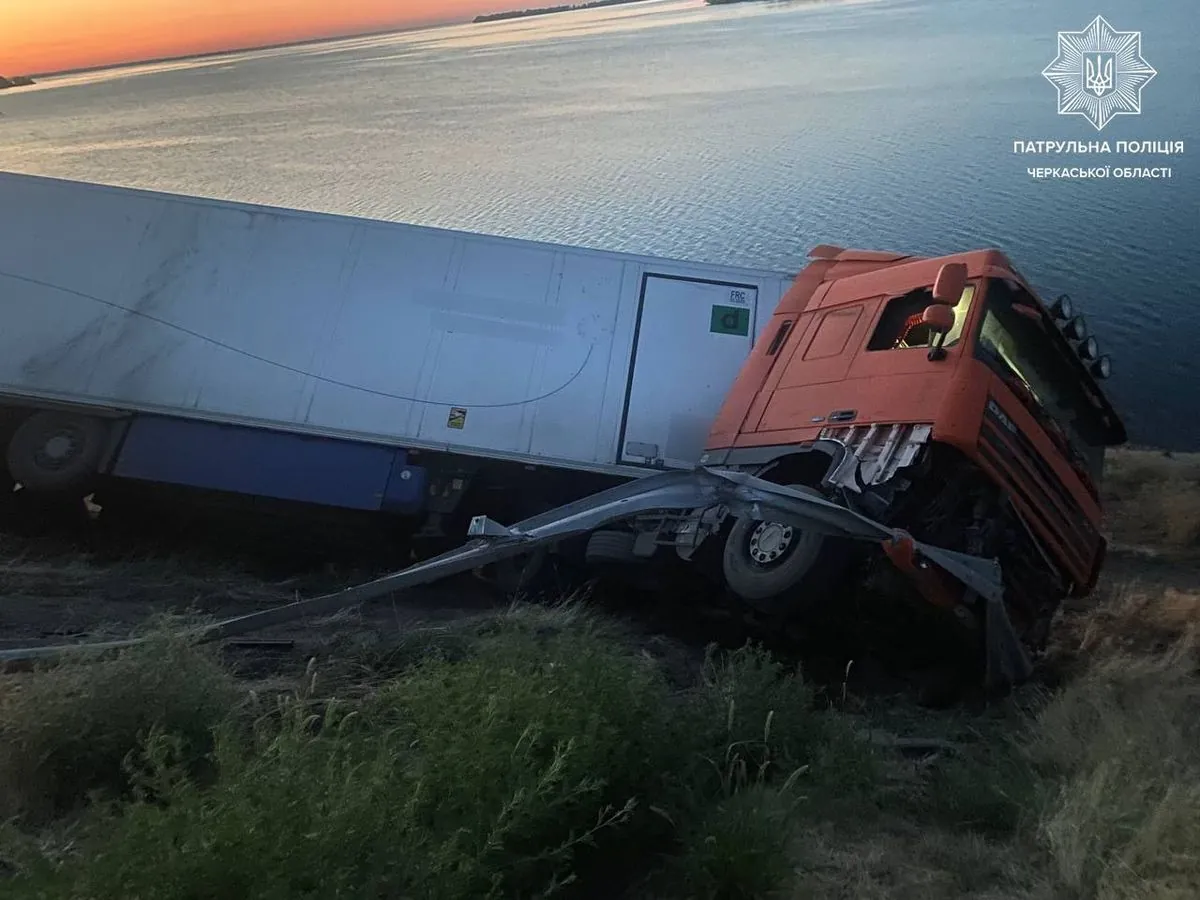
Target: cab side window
<point>900,326</point>
<point>833,334</point>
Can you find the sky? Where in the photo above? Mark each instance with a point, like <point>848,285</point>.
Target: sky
<point>42,36</point>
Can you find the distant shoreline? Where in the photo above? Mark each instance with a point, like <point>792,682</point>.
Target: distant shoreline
<point>547,10</point>
<point>570,7</point>
<point>191,57</point>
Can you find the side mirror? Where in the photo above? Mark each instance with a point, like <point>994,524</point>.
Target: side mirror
<point>939,318</point>
<point>1102,368</point>
<point>1076,329</point>
<point>1063,308</point>
<point>950,284</point>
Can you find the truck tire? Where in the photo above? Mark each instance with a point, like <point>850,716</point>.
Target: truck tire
<point>764,562</point>
<point>53,451</point>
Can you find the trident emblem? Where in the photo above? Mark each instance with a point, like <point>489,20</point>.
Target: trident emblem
<point>1098,73</point>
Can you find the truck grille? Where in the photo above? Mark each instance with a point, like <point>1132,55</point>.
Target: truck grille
<point>1025,472</point>
<point>877,452</point>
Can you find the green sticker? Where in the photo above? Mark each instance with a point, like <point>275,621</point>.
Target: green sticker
<point>730,320</point>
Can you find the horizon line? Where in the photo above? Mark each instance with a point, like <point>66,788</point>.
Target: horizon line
<point>128,64</point>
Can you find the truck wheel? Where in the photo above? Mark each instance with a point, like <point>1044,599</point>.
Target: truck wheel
<point>764,561</point>
<point>53,451</point>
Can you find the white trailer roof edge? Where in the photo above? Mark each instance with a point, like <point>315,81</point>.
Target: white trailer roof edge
<point>293,212</point>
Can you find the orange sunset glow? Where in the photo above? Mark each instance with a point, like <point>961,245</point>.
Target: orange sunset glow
<point>41,36</point>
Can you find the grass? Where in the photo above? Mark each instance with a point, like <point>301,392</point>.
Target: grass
<point>542,752</point>
<point>1094,792</point>
<point>1154,499</point>
<point>547,754</point>
<point>550,757</point>
<point>1124,744</point>
<point>66,732</point>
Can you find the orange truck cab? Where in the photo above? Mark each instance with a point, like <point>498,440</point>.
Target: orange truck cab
<point>939,396</point>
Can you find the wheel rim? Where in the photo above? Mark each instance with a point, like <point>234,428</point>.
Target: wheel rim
<point>770,542</point>
<point>59,448</point>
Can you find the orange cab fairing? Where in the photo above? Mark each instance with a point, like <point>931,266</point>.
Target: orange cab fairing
<point>813,369</point>
<point>822,366</point>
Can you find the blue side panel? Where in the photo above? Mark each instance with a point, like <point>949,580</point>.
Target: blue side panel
<point>269,464</point>
<point>405,491</point>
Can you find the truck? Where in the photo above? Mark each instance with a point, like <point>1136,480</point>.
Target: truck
<point>431,375</point>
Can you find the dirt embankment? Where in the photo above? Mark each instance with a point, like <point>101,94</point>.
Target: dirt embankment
<point>1152,576</point>
<point>101,585</point>
<point>435,745</point>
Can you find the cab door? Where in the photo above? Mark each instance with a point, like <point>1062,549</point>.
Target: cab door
<point>800,385</point>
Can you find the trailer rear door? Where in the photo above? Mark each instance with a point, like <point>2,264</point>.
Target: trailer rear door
<point>691,339</point>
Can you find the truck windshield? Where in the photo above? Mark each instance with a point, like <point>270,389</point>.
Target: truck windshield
<point>1030,359</point>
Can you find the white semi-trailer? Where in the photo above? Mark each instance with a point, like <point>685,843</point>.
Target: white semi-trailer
<point>346,362</point>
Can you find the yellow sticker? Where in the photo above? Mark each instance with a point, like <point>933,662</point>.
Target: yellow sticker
<point>458,417</point>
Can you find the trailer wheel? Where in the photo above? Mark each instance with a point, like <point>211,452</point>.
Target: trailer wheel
<point>764,561</point>
<point>53,451</point>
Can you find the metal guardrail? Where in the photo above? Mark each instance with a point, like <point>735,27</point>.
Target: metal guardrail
<point>742,494</point>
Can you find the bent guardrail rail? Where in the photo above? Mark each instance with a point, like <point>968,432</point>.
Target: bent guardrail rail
<point>744,495</point>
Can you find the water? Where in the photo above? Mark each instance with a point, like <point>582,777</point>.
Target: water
<point>741,134</point>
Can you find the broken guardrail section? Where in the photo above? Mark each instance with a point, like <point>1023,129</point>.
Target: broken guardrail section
<point>744,495</point>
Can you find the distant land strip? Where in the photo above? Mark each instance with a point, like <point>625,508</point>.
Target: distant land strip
<point>547,10</point>
<point>594,4</point>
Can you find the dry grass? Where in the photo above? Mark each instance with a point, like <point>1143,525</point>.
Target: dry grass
<point>1121,741</point>
<point>899,859</point>
<point>1135,617</point>
<point>1124,743</point>
<point>1096,794</point>
<point>1153,499</point>
<point>66,731</point>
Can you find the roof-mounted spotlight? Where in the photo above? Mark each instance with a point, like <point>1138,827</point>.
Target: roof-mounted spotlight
<point>1102,368</point>
<point>1063,308</point>
<point>1089,349</point>
<point>1076,329</point>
